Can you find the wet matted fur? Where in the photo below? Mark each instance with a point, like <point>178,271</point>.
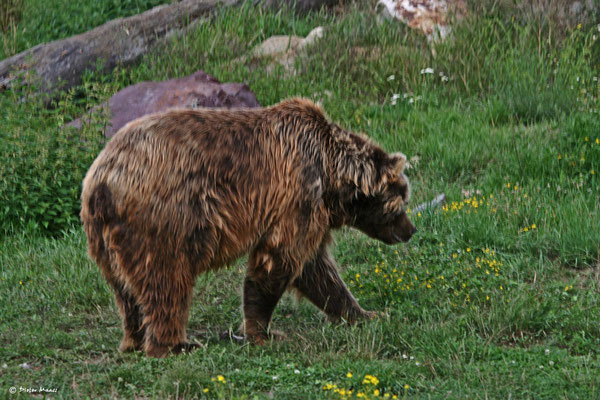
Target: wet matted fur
<point>180,192</point>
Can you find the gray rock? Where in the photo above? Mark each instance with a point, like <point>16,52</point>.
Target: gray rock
<point>283,49</point>
<point>196,90</point>
<point>60,64</point>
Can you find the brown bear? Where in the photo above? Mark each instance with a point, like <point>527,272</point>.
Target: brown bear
<point>180,192</point>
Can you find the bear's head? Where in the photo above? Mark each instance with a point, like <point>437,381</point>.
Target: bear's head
<point>381,213</point>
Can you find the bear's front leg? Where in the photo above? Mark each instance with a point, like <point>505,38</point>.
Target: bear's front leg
<point>321,283</point>
<point>269,274</point>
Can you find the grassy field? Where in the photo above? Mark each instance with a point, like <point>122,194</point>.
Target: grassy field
<point>496,297</point>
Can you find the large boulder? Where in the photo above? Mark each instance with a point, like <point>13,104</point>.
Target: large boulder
<point>193,91</point>
<point>60,64</point>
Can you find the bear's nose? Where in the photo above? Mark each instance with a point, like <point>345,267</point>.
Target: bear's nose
<point>414,230</point>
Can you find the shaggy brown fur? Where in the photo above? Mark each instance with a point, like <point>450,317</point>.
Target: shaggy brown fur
<point>178,193</point>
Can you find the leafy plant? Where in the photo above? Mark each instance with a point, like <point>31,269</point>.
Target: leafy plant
<point>43,161</point>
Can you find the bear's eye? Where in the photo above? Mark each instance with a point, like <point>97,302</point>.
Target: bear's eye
<point>395,206</point>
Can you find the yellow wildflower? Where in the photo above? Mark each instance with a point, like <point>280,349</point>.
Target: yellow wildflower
<point>349,375</point>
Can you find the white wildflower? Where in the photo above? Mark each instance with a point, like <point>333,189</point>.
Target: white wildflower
<point>427,71</point>
<point>391,78</point>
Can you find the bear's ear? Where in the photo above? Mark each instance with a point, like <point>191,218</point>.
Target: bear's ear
<point>398,162</point>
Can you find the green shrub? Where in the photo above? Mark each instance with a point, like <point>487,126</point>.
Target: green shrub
<point>42,162</point>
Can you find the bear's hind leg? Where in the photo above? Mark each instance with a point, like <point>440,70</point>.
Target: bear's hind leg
<point>267,279</point>
<point>321,283</point>
<point>164,288</point>
<point>131,313</point>
<point>133,337</point>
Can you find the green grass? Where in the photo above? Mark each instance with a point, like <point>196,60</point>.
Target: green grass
<point>498,294</point>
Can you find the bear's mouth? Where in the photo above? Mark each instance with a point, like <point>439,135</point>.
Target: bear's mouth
<point>397,238</point>
<point>400,238</point>
<point>394,238</point>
